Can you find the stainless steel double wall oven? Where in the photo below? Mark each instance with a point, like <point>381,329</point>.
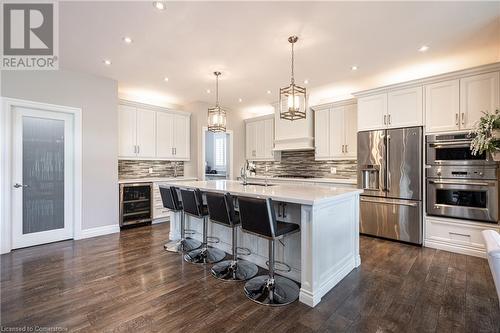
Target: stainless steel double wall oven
<point>459,184</point>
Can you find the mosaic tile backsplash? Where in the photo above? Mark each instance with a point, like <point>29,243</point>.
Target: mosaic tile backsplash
<point>140,169</point>
<point>302,163</point>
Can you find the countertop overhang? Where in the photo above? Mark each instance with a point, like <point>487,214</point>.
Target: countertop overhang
<point>303,194</point>
<point>154,180</point>
<point>349,181</point>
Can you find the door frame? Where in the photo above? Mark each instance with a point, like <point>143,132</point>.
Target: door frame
<point>201,163</point>
<point>6,132</point>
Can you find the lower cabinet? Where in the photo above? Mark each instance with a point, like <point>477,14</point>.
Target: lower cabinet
<point>455,235</point>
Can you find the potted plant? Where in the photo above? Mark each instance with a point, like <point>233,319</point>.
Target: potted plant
<point>486,135</point>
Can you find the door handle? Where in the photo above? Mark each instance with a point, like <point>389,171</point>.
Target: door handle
<point>138,149</point>
<point>343,149</point>
<point>456,183</point>
<point>388,182</point>
<point>456,119</point>
<point>385,119</point>
<point>389,119</point>
<point>346,148</point>
<point>409,204</point>
<point>463,118</point>
<point>17,185</point>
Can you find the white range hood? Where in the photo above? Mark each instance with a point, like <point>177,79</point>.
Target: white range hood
<point>293,135</point>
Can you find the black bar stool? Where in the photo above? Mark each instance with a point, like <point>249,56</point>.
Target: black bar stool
<point>258,218</point>
<point>192,203</point>
<point>171,201</point>
<point>221,211</point>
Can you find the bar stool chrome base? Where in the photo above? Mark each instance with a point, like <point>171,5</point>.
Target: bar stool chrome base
<point>230,270</point>
<point>181,246</point>
<point>205,256</point>
<point>263,290</point>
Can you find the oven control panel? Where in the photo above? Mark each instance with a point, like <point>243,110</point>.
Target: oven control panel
<point>461,172</point>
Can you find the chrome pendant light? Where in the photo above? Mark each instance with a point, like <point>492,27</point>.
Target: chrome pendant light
<point>292,102</point>
<point>217,114</point>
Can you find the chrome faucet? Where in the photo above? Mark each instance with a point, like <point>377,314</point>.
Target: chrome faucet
<point>243,173</point>
<point>175,169</point>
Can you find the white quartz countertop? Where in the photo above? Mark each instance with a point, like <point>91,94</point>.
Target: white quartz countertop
<point>154,180</point>
<point>309,180</point>
<point>303,194</point>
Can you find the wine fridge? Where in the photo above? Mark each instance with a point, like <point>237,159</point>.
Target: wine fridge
<point>136,203</point>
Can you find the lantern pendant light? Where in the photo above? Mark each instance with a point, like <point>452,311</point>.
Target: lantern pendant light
<point>217,114</point>
<point>292,102</point>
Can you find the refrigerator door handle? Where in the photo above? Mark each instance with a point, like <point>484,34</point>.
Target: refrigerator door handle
<point>409,204</point>
<point>388,176</point>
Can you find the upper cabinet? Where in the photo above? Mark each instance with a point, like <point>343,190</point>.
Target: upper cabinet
<point>335,128</point>
<point>457,104</point>
<point>152,133</point>
<point>442,106</point>
<point>259,143</point>
<point>405,107</point>
<point>372,112</point>
<point>478,94</point>
<point>393,109</point>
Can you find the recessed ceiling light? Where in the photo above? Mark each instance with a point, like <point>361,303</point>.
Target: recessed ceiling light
<point>354,68</point>
<point>208,91</point>
<point>160,5</point>
<point>240,100</point>
<point>127,40</point>
<point>306,81</point>
<point>269,92</point>
<point>423,48</point>
<point>107,62</point>
<point>165,79</point>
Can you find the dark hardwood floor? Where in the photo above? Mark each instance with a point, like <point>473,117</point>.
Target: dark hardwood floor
<point>127,283</point>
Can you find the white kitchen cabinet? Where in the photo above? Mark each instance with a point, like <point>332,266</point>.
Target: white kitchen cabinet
<point>405,108</point>
<point>322,133</point>
<point>335,132</point>
<point>146,133</point>
<point>152,134</point>
<point>478,94</point>
<point>372,112</point>
<point>351,131</point>
<point>127,131</point>
<point>442,106</point>
<point>260,139</point>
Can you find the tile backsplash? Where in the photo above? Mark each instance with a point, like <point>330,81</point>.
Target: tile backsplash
<point>302,163</point>
<point>140,168</point>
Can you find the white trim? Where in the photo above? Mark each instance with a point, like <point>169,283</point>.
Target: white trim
<point>6,159</point>
<point>98,231</point>
<point>201,163</point>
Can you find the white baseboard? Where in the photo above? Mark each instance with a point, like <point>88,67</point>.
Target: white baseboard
<point>98,231</point>
<point>455,248</point>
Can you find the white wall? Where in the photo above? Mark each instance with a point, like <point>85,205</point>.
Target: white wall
<point>198,121</point>
<point>97,97</point>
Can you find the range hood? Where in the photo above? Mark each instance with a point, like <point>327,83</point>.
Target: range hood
<point>293,135</point>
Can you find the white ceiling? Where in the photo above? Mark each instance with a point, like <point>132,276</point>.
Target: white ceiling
<point>248,43</point>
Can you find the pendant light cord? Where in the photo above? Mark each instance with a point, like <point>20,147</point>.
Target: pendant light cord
<point>293,78</point>
<point>216,90</point>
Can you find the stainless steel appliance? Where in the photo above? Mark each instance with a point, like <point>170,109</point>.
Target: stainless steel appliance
<point>390,173</point>
<point>453,149</point>
<point>467,192</point>
<point>136,203</point>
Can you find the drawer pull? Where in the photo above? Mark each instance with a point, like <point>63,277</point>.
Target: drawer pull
<point>458,234</point>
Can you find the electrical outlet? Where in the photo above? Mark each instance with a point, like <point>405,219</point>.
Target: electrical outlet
<point>150,170</point>
<point>333,170</point>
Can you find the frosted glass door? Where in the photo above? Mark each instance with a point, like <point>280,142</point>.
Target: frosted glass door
<point>42,177</point>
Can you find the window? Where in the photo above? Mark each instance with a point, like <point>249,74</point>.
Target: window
<point>220,151</point>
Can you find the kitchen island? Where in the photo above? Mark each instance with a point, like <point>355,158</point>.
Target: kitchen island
<point>324,251</point>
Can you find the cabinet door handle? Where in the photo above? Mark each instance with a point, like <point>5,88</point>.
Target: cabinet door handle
<point>458,234</point>
<point>138,149</point>
<point>175,151</point>
<point>135,149</point>
<point>346,148</point>
<point>385,119</point>
<point>389,119</point>
<point>456,119</point>
<point>463,118</point>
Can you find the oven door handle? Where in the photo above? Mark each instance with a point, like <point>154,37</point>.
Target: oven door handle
<point>444,144</point>
<point>455,183</point>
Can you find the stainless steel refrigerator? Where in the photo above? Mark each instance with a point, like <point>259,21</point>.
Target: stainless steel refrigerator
<point>390,173</point>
